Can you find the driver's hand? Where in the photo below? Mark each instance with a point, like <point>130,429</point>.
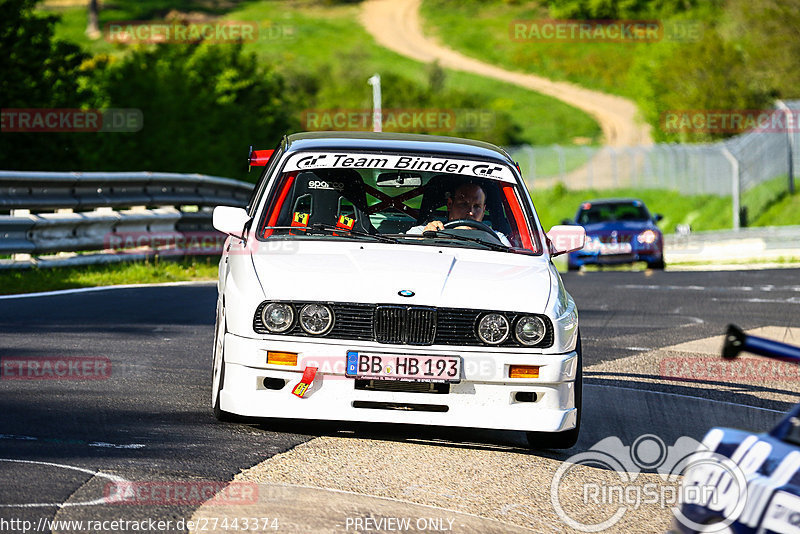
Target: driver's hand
<point>434,226</point>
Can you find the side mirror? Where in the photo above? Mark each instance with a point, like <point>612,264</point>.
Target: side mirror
<point>566,238</point>
<point>231,221</point>
<point>657,217</point>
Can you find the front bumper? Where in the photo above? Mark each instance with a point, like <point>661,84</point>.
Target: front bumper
<point>484,398</point>
<point>579,258</point>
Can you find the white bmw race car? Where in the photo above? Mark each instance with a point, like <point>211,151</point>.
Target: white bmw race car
<point>400,279</point>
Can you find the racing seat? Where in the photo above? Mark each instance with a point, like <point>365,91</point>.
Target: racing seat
<point>442,186</point>
<point>326,194</point>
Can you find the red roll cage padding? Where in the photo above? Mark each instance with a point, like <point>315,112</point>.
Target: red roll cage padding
<point>276,208</point>
<point>519,218</point>
<point>259,158</point>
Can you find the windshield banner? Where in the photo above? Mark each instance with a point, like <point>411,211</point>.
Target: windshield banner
<point>338,160</point>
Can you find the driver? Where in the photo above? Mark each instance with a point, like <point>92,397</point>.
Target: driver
<point>467,202</point>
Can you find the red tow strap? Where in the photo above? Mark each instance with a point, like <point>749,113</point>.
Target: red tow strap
<point>308,377</point>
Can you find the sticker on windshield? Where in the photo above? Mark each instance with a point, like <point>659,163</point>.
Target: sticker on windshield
<point>333,160</point>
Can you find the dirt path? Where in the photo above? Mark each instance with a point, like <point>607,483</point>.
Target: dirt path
<point>395,24</point>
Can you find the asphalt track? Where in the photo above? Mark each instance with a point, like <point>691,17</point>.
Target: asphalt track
<point>65,441</point>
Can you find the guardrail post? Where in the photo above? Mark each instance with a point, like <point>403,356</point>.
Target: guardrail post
<point>562,164</point>
<point>736,185</point>
<point>21,256</point>
<point>531,165</point>
<point>589,166</point>
<point>790,133</point>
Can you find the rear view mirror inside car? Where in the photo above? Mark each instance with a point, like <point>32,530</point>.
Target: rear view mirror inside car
<point>399,179</point>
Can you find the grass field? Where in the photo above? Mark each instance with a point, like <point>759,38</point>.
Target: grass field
<point>485,30</point>
<point>150,272</point>
<point>767,206</point>
<point>302,37</point>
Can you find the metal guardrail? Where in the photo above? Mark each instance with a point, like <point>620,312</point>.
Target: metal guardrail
<point>773,236</point>
<point>85,220</point>
<point>86,214</point>
<point>89,190</point>
<point>758,244</point>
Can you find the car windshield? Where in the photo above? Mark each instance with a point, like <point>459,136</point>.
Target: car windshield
<point>392,198</point>
<point>591,213</point>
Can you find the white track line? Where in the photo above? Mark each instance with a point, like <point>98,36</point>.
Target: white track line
<point>101,500</point>
<point>104,288</point>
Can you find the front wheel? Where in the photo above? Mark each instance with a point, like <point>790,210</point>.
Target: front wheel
<point>657,265</point>
<point>218,375</point>
<point>567,438</point>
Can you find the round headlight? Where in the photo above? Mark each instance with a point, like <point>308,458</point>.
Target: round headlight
<point>493,328</point>
<point>278,317</point>
<point>648,237</point>
<point>530,330</point>
<point>315,318</point>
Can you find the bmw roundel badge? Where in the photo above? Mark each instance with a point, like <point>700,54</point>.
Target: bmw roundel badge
<point>406,293</point>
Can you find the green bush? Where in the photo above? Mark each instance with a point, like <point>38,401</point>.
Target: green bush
<point>202,106</point>
<point>707,75</point>
<point>614,9</point>
<point>37,72</point>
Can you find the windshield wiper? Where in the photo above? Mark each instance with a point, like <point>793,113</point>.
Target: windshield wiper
<point>433,234</point>
<point>334,229</point>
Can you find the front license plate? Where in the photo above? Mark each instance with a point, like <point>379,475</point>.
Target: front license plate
<point>408,367</point>
<point>611,249</point>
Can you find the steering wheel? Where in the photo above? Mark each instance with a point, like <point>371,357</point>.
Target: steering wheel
<point>476,225</point>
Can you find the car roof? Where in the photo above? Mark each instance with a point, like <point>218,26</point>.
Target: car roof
<point>395,142</point>
<point>613,201</point>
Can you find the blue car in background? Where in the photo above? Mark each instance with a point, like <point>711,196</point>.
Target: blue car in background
<point>617,231</point>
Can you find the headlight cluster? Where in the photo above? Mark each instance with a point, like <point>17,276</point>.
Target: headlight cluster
<point>648,237</point>
<point>279,317</point>
<point>494,328</point>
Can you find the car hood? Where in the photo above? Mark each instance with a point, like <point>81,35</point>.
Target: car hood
<point>375,273</point>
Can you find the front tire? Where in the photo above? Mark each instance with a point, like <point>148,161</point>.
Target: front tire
<point>657,265</point>
<point>567,438</point>
<point>218,371</point>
